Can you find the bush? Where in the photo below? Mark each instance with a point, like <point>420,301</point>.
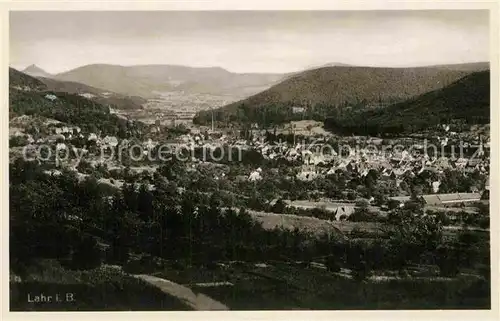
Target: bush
<point>448,260</point>
<point>87,254</point>
<point>279,207</point>
<point>363,215</point>
<point>17,141</point>
<point>117,254</point>
<point>443,218</point>
<point>360,271</point>
<point>332,264</point>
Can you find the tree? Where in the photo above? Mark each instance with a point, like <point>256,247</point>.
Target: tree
<point>87,254</point>
<point>332,264</point>
<point>412,233</point>
<point>393,204</point>
<point>448,260</point>
<point>279,207</point>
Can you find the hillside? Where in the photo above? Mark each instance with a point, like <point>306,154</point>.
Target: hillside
<point>99,95</point>
<point>465,101</point>
<point>30,96</point>
<point>325,89</point>
<point>109,99</point>
<point>22,81</point>
<point>145,80</point>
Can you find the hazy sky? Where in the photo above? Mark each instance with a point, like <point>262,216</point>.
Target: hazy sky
<point>248,41</point>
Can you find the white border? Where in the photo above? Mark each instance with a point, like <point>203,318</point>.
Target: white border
<point>255,5</point>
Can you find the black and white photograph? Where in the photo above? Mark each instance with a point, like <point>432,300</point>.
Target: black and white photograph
<point>249,160</point>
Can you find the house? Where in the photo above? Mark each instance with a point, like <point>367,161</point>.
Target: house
<point>343,212</point>
<point>435,186</point>
<point>87,95</point>
<point>461,162</point>
<point>473,162</point>
<point>60,146</point>
<point>444,199</point>
<point>110,140</point>
<point>255,175</point>
<point>297,110</point>
<point>401,199</point>
<point>50,97</point>
<point>307,173</point>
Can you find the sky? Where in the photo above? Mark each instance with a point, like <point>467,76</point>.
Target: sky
<point>247,41</point>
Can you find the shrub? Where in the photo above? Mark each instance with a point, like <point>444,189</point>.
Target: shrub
<point>448,260</point>
<point>360,271</point>
<point>117,254</point>
<point>279,207</point>
<point>87,254</point>
<point>17,141</point>
<point>332,264</point>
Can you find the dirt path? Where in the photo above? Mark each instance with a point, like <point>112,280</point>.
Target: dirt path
<point>185,294</point>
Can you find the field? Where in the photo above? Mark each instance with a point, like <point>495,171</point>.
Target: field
<point>303,223</point>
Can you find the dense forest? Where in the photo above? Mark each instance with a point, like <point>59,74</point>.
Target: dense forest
<point>22,81</point>
<point>466,100</point>
<point>328,90</point>
<point>72,109</point>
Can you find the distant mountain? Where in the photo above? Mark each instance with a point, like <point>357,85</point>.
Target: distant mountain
<point>323,90</point>
<point>331,64</point>
<point>471,67</point>
<point>147,80</point>
<point>110,99</point>
<point>466,102</point>
<point>35,71</point>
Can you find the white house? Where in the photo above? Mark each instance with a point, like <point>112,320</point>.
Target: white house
<point>60,146</point>
<point>435,186</point>
<point>50,97</point>
<point>87,95</point>
<point>255,175</point>
<point>110,140</point>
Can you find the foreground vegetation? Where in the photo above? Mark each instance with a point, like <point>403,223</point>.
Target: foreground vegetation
<point>103,288</point>
<point>82,226</point>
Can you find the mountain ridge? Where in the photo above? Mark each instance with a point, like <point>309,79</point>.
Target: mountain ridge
<point>462,103</point>
<point>329,88</point>
<point>145,80</point>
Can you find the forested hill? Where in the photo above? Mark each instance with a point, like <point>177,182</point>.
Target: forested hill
<point>324,89</point>
<point>466,101</point>
<point>29,96</point>
<point>25,81</point>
